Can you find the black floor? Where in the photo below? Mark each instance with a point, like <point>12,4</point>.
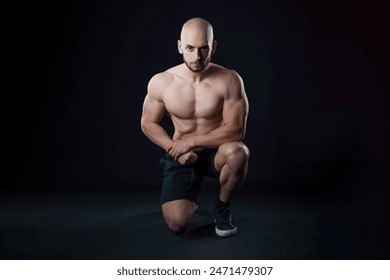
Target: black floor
<point>129,225</point>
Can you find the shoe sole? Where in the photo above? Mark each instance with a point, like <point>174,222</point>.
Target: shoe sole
<point>225,233</point>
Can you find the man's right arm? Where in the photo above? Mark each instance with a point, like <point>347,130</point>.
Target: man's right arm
<point>152,112</point>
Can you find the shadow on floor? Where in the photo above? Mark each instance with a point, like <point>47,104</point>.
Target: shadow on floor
<point>129,225</point>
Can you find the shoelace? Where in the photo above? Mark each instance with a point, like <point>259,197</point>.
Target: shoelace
<point>226,216</point>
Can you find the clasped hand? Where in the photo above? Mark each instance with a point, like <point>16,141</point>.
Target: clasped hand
<point>181,152</point>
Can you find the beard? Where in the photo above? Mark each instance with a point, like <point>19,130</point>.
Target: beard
<point>197,66</point>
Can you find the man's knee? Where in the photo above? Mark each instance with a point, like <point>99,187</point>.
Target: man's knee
<point>178,225</point>
<point>178,214</point>
<point>235,153</point>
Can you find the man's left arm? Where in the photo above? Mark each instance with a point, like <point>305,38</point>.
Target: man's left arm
<point>235,113</point>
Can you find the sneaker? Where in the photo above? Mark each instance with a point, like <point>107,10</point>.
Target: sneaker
<point>224,226</point>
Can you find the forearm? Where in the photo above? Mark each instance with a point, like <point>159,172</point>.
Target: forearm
<point>217,137</point>
<point>157,134</point>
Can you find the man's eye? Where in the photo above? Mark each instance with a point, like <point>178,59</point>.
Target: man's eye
<point>205,49</point>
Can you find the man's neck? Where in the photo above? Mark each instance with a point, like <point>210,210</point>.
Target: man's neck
<point>196,77</point>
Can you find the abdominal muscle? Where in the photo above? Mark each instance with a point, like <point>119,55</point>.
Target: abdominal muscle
<point>188,128</point>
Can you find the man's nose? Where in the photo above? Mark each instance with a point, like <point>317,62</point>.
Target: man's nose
<point>198,54</point>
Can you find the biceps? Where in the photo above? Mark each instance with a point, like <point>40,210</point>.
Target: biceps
<point>153,110</point>
<point>235,112</point>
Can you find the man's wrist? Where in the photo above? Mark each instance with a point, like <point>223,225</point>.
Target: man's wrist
<point>168,146</point>
<point>194,142</point>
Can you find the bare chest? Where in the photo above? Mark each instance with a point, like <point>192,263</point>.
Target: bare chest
<point>190,102</point>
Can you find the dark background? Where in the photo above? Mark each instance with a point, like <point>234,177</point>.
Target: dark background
<point>315,75</point>
<point>315,72</point>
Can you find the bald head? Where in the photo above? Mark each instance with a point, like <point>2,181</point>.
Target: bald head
<point>197,44</point>
<point>196,29</point>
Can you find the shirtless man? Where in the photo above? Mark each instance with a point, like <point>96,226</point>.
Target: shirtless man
<point>209,108</point>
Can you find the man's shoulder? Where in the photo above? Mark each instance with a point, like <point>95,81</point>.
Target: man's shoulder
<point>161,77</point>
<point>224,72</point>
<point>222,69</point>
<point>165,76</point>
<point>162,80</point>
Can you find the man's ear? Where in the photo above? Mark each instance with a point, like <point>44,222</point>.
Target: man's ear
<point>179,47</point>
<point>213,47</point>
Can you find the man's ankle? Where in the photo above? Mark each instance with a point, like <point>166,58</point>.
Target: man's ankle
<point>219,204</point>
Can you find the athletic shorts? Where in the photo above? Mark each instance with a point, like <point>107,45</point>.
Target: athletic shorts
<point>184,181</point>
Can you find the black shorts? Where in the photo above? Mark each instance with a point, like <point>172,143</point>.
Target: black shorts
<point>184,181</point>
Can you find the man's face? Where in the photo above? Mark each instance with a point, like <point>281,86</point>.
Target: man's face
<point>197,58</point>
<point>196,49</point>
